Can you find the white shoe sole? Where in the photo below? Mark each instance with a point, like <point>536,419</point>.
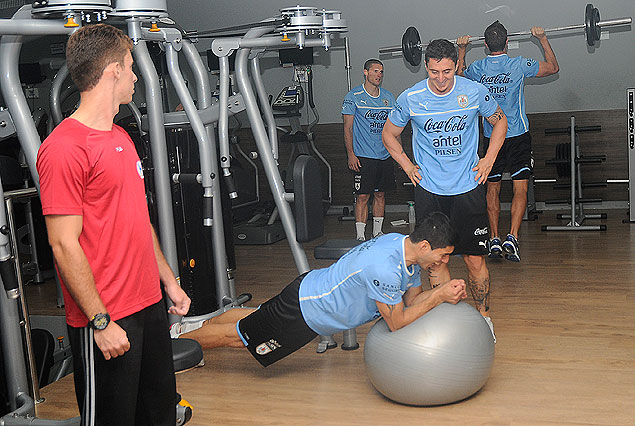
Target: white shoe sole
<point>489,322</point>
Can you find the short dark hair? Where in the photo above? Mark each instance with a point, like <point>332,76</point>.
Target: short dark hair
<point>369,63</point>
<point>91,49</point>
<point>440,49</point>
<point>496,37</point>
<point>436,229</point>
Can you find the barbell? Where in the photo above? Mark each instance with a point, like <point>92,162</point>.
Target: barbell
<point>411,46</point>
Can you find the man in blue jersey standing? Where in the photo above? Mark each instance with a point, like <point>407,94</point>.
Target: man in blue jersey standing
<point>378,278</point>
<point>504,78</point>
<point>364,112</point>
<point>447,172</point>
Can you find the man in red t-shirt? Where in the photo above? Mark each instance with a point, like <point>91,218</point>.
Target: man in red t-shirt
<point>106,251</point>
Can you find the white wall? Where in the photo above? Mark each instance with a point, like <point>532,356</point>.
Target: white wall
<point>589,78</point>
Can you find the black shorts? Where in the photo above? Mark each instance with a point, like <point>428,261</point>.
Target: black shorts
<point>467,213</point>
<point>374,176</point>
<point>514,157</point>
<point>136,388</point>
<point>277,328</point>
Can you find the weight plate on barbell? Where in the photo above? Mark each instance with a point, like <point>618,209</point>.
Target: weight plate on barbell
<point>591,28</point>
<point>597,30</point>
<point>410,46</point>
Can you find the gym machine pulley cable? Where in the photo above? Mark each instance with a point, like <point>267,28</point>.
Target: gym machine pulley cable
<point>411,46</point>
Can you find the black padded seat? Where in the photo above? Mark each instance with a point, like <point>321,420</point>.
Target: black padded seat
<point>186,354</point>
<point>334,249</point>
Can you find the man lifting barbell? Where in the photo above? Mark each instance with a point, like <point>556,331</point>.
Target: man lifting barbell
<point>411,45</point>
<point>504,78</point>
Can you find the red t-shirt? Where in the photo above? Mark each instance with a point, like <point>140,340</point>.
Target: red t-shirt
<point>97,175</point>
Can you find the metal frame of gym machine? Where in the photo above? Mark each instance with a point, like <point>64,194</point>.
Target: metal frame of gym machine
<point>303,24</point>
<point>134,13</point>
<point>22,390</point>
<point>60,20</point>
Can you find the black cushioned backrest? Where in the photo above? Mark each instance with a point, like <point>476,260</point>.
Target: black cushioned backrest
<point>307,193</point>
<point>11,173</point>
<point>43,348</point>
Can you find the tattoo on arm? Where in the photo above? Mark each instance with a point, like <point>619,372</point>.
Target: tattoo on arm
<point>391,310</point>
<point>480,293</point>
<point>496,117</point>
<point>433,278</point>
<point>434,282</point>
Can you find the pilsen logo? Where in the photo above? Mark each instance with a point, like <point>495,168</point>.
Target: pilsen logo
<point>377,115</point>
<point>455,123</point>
<point>502,78</point>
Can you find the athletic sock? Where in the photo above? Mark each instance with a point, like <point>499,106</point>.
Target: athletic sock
<point>377,224</point>
<point>360,227</point>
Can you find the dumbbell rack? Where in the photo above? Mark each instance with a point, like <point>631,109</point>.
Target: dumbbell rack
<point>577,216</point>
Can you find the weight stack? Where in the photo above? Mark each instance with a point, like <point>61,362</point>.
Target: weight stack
<point>194,247</point>
<point>630,125</point>
<point>194,242</point>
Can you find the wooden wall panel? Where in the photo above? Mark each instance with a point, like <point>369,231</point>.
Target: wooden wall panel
<point>611,141</point>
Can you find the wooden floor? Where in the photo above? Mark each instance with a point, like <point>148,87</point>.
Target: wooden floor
<point>564,319</point>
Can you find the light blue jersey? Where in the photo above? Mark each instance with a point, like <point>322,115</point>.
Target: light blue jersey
<point>370,115</point>
<point>445,132</point>
<point>343,295</point>
<point>504,77</point>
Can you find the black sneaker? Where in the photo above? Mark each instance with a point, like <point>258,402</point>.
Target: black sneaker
<point>510,246</point>
<point>495,248</point>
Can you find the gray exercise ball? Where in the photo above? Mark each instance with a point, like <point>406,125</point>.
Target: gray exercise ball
<point>442,357</point>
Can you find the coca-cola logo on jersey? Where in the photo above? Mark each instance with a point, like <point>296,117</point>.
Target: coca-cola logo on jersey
<point>502,78</point>
<point>376,115</point>
<point>455,123</point>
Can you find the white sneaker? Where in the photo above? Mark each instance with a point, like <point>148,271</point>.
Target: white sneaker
<point>175,330</point>
<point>379,234</point>
<point>362,238</point>
<point>489,322</point>
<point>179,328</point>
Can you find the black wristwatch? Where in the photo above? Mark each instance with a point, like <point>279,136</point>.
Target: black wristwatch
<point>99,321</point>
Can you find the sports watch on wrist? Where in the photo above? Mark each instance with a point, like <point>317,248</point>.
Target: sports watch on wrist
<point>99,321</point>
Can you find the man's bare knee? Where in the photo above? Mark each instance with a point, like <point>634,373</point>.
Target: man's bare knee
<point>363,198</point>
<point>520,187</point>
<point>476,265</point>
<point>493,188</point>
